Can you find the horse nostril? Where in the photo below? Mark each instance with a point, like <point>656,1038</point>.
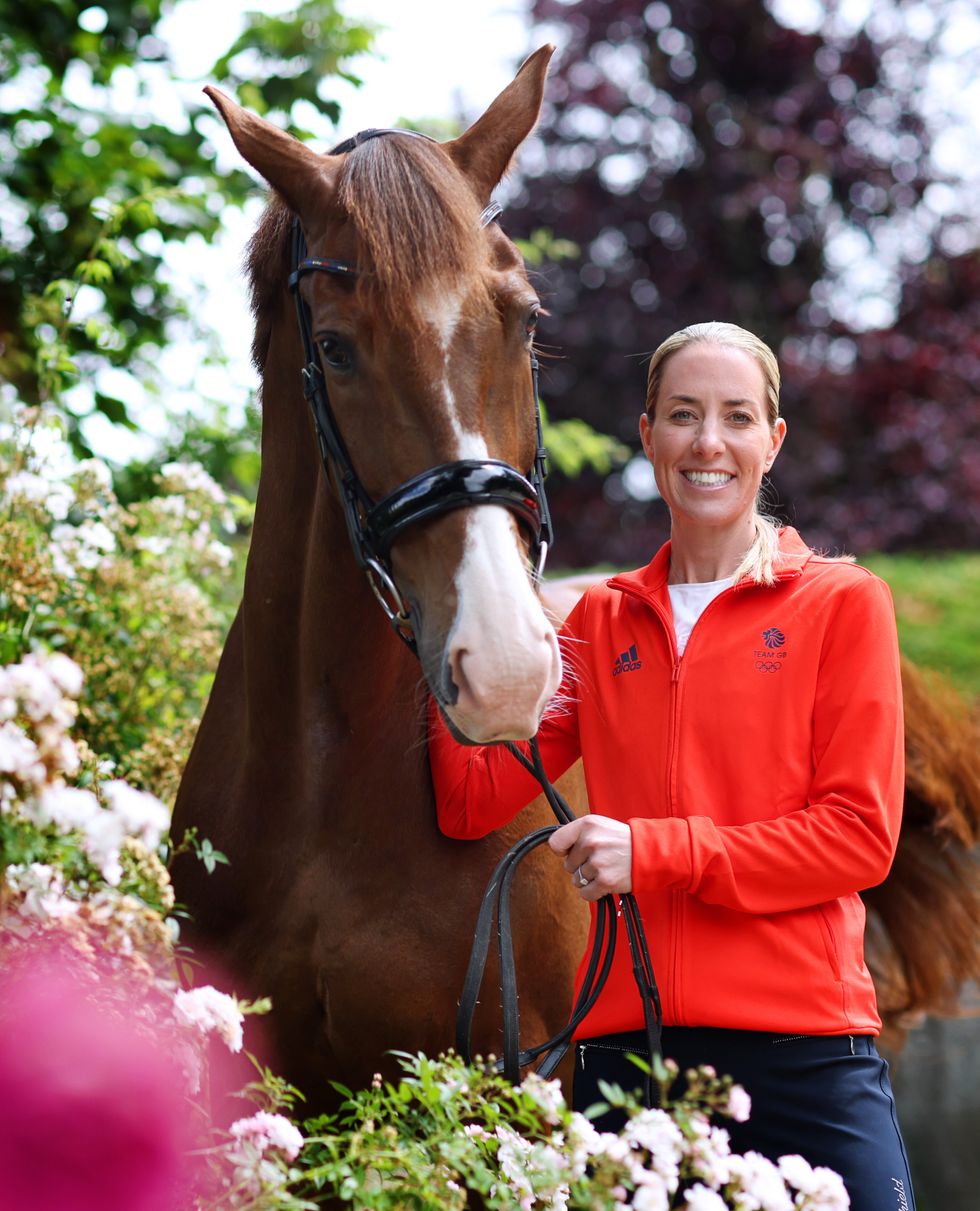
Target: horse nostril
<point>450,677</point>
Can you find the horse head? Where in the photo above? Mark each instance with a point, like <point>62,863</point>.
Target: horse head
<point>423,325</point>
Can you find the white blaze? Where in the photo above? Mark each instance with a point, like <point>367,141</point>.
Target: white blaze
<point>502,651</point>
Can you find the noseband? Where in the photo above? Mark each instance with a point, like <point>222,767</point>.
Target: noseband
<point>374,526</point>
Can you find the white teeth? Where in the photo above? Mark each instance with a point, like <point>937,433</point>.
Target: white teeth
<point>708,477</point>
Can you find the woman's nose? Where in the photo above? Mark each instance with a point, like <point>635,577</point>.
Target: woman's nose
<point>707,439</point>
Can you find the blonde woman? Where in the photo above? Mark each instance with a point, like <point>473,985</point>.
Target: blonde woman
<point>737,707</point>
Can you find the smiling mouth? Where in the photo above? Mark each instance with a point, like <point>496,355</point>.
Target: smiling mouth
<point>708,479</point>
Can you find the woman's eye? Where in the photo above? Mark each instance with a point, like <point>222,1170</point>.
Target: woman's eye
<point>335,353</point>
<point>741,418</point>
<point>682,414</point>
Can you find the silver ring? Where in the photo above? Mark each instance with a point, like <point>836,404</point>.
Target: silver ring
<point>580,879</point>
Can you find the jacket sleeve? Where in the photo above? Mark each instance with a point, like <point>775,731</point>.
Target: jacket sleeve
<point>482,787</point>
<point>844,840</point>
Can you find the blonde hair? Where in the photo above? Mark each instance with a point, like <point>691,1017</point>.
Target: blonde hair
<point>761,556</point>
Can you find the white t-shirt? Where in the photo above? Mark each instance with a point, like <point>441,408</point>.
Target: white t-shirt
<point>688,602</point>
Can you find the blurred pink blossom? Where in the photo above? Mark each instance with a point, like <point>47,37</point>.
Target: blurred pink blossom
<point>92,1113</point>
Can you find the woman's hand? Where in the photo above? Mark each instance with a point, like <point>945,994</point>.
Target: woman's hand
<point>598,854</point>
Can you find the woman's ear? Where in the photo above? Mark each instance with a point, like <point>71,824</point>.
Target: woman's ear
<point>646,435</point>
<point>778,436</point>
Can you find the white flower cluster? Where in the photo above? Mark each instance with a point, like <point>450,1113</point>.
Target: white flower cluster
<point>822,1189</point>
<point>206,1011</point>
<point>36,758</point>
<point>182,520</point>
<point>89,528</point>
<point>42,888</point>
<point>648,1161</point>
<point>546,1095</point>
<point>42,691</point>
<point>55,498</point>
<point>536,1172</point>
<point>84,547</point>
<point>192,480</point>
<point>56,486</point>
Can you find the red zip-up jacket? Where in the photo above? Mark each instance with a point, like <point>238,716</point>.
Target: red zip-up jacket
<point>761,775</point>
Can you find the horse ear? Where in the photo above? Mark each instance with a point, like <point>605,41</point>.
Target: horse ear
<point>483,152</point>
<point>287,164</point>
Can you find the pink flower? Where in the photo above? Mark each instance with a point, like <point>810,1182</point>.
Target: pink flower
<point>92,1114</point>
<point>207,1010</point>
<point>269,1132</point>
<point>700,1198</point>
<point>739,1104</point>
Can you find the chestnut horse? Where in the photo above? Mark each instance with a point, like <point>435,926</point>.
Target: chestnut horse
<point>341,900</point>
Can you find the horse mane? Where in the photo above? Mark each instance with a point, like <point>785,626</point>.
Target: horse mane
<point>415,216</point>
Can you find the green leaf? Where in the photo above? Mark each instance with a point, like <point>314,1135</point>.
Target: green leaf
<point>115,410</point>
<point>94,272</point>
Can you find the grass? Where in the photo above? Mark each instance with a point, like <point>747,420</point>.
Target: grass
<point>937,602</point>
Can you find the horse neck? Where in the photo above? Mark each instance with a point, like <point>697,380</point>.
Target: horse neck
<point>321,663</point>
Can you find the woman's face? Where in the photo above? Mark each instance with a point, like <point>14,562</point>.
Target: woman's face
<point>710,441</point>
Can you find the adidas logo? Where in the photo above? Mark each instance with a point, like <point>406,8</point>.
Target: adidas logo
<point>628,661</point>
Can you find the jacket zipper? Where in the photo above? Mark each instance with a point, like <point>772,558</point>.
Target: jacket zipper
<point>671,995</point>
<point>641,1052</point>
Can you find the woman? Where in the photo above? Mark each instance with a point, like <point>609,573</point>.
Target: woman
<point>737,705</point>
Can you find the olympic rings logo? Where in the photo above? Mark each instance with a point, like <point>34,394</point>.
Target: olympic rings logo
<point>768,666</point>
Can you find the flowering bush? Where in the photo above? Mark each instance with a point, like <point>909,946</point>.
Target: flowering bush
<point>86,925</point>
<point>130,592</point>
<point>446,1131</point>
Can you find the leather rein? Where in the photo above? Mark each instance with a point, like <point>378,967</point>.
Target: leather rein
<point>373,527</point>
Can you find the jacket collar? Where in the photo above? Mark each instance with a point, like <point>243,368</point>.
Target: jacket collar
<point>652,579</point>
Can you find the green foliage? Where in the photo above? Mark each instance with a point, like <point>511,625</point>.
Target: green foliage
<point>574,446</point>
<point>542,246</point>
<point>936,599</point>
<point>92,198</point>
<point>130,593</point>
<point>280,60</point>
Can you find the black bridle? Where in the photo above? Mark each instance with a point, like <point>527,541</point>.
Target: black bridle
<point>374,526</point>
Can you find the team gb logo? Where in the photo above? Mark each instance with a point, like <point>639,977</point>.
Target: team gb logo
<point>773,638</point>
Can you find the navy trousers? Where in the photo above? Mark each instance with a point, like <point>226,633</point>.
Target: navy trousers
<point>825,1098</point>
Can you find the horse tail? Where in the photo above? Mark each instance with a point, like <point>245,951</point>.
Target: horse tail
<point>923,941</point>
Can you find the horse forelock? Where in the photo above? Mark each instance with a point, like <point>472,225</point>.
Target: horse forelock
<point>418,222</point>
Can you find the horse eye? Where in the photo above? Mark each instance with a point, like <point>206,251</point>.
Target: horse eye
<point>336,354</point>
<point>531,323</point>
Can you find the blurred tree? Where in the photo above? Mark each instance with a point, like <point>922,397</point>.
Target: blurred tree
<point>886,424</point>
<point>96,179</point>
<point>712,163</point>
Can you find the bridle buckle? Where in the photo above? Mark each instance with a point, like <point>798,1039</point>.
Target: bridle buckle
<point>389,598</point>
